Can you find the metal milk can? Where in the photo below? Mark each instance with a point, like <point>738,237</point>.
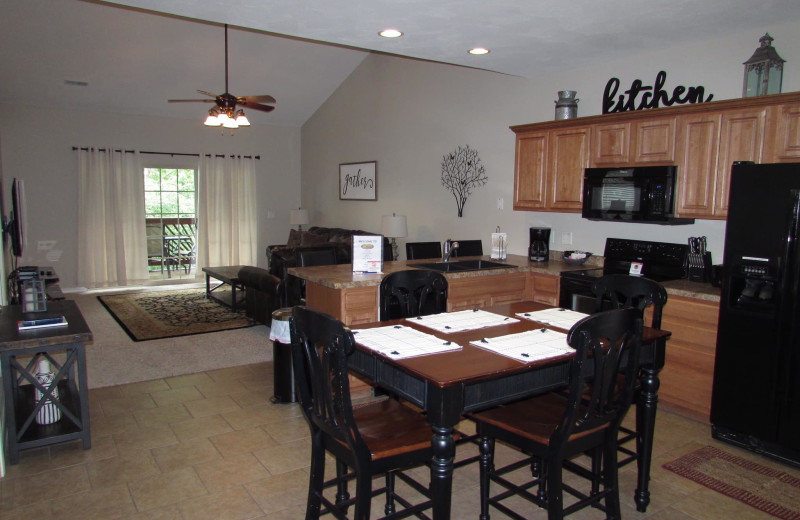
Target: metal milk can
<point>567,104</point>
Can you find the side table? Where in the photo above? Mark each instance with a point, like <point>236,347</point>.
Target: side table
<point>20,352</point>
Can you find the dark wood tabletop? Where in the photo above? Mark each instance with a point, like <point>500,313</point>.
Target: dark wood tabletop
<point>76,330</point>
<point>473,363</point>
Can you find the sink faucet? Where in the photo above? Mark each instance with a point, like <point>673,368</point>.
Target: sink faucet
<point>449,249</point>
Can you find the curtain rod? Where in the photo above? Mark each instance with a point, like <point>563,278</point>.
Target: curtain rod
<point>257,157</point>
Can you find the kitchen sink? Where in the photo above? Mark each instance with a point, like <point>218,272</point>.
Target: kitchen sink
<point>457,266</point>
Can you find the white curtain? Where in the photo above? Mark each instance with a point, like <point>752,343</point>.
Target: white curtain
<point>112,248</point>
<point>226,211</point>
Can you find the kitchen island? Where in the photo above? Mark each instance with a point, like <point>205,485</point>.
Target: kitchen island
<point>353,298</point>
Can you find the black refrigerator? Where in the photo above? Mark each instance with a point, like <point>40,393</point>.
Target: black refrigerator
<point>755,402</point>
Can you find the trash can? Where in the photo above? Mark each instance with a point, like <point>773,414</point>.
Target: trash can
<point>283,370</point>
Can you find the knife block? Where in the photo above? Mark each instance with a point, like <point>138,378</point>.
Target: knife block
<point>699,267</point>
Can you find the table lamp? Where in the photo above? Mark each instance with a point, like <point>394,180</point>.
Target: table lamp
<point>298,217</point>
<point>394,226</point>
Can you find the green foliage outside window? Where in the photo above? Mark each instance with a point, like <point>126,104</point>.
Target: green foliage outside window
<point>169,193</point>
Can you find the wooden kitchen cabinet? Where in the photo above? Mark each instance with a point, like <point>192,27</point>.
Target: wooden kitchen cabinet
<point>545,288</point>
<point>633,143</point>
<point>783,143</point>
<point>741,139</point>
<point>478,292</point>
<point>611,145</point>
<point>688,374</point>
<point>549,169</point>
<point>530,171</point>
<point>653,141</point>
<point>702,139</point>
<point>698,146</point>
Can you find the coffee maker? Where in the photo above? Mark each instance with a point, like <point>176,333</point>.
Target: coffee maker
<point>539,250</point>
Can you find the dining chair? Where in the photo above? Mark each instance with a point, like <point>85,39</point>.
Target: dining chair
<point>413,292</point>
<point>382,437</point>
<point>419,250</point>
<point>553,428</point>
<point>295,288</point>
<point>622,290</point>
<point>468,248</point>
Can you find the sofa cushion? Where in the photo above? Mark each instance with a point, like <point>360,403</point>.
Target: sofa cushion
<point>295,237</point>
<point>311,239</point>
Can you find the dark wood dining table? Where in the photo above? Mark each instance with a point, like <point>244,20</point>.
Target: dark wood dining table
<point>448,384</point>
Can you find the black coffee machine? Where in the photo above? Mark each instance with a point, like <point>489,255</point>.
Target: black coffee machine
<point>539,250</point>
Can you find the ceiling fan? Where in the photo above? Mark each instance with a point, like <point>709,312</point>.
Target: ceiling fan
<point>225,112</point>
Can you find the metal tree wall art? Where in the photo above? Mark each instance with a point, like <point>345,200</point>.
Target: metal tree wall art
<point>461,171</point>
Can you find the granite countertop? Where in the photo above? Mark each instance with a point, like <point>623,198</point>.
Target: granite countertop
<point>342,277</point>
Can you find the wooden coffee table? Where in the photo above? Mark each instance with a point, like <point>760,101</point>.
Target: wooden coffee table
<point>227,275</point>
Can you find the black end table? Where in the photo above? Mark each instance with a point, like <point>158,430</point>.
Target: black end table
<point>20,352</point>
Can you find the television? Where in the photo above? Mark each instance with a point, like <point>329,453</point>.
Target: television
<point>15,226</point>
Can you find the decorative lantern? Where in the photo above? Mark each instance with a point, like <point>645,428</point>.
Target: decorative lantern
<point>763,72</point>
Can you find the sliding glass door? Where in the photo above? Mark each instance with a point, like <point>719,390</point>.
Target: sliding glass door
<point>170,222</point>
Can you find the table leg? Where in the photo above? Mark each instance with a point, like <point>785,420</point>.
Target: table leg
<point>444,451</point>
<point>208,286</point>
<point>645,428</point>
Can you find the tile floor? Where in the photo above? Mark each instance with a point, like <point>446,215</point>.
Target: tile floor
<point>212,445</point>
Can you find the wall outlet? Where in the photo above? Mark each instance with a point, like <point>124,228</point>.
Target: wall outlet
<point>499,202</point>
<point>566,238</point>
<point>270,214</point>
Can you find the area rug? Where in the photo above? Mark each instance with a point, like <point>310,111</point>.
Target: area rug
<point>768,490</point>
<point>155,315</point>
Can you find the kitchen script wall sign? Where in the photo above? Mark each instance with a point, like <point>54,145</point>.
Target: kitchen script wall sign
<point>651,96</point>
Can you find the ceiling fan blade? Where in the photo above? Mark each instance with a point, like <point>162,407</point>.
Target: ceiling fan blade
<point>257,106</point>
<point>207,93</point>
<point>191,101</point>
<point>255,99</point>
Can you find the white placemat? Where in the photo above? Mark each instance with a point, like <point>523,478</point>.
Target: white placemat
<point>532,345</point>
<point>400,342</point>
<point>556,317</point>
<point>449,322</point>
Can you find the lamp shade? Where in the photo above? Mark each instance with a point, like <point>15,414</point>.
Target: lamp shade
<point>298,217</point>
<point>394,226</point>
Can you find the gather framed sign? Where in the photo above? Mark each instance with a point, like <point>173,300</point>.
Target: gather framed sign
<point>358,181</point>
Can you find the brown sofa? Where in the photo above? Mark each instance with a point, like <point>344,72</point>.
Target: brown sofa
<point>282,257</point>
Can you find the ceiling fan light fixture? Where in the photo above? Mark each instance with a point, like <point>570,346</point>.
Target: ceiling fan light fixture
<point>212,119</point>
<point>241,119</point>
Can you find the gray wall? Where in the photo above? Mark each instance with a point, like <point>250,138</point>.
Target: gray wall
<point>407,114</point>
<point>37,146</point>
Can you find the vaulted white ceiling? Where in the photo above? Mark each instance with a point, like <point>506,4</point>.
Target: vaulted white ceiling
<point>136,54</point>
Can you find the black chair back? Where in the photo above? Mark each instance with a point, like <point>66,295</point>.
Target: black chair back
<point>316,255</point>
<point>419,250</point>
<point>607,346</point>
<point>621,290</point>
<point>469,248</point>
<point>320,346</point>
<point>415,292</point>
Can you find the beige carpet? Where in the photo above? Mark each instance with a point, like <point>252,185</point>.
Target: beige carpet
<point>774,492</point>
<point>113,358</point>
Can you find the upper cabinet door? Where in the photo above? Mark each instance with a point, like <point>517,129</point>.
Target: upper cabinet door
<point>653,141</point>
<point>611,144</point>
<point>529,170</point>
<point>698,145</point>
<point>784,139</point>
<point>741,139</point>
<point>568,158</point>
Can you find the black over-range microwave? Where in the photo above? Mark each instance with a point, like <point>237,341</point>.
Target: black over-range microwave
<point>633,194</point>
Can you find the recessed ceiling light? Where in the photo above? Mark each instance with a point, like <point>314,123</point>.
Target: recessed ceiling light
<point>390,33</point>
<point>479,50</point>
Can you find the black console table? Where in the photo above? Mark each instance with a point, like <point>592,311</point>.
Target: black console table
<point>20,352</point>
